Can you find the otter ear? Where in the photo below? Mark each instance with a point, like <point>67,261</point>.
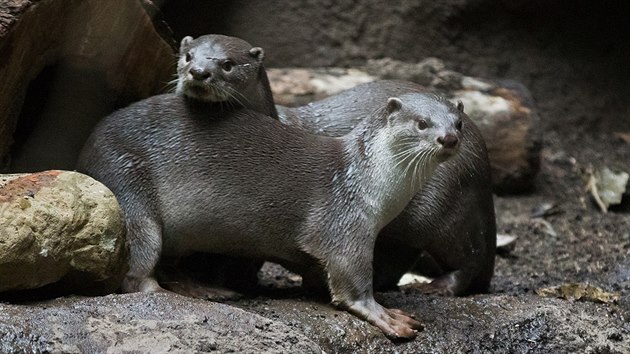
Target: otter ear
<point>460,106</point>
<point>257,53</point>
<point>394,104</point>
<point>185,43</point>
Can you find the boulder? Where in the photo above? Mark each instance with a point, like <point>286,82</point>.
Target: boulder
<point>60,226</point>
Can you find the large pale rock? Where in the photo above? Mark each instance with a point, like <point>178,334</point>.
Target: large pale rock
<point>503,111</point>
<point>60,226</point>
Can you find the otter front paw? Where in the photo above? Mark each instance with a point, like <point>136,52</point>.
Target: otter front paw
<point>394,323</point>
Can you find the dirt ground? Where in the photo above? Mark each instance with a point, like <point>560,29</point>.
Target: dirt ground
<point>580,243</point>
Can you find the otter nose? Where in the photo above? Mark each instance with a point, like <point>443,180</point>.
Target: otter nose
<point>449,140</point>
<point>199,74</point>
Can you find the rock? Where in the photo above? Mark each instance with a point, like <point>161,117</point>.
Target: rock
<point>60,226</point>
<point>296,86</point>
<point>429,72</point>
<point>165,322</point>
<point>505,114</point>
<point>504,110</point>
<point>143,323</point>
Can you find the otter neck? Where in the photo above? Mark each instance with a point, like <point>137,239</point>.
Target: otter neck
<point>374,174</point>
<point>264,104</point>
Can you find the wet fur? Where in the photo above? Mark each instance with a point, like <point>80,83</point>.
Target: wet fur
<point>245,85</point>
<point>190,179</point>
<point>452,218</point>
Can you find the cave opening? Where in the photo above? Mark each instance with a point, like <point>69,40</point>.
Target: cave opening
<point>61,106</point>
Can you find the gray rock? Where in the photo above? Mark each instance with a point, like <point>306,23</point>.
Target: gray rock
<point>60,225</point>
<point>428,72</point>
<point>143,323</point>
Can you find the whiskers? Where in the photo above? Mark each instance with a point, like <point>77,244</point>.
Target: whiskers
<point>223,95</point>
<point>419,160</point>
<point>236,96</point>
<point>171,86</point>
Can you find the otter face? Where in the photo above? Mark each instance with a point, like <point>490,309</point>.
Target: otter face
<point>217,68</point>
<point>426,129</point>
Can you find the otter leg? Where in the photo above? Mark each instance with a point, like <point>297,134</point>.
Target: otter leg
<point>350,283</point>
<point>472,278</point>
<point>468,268</point>
<point>144,237</point>
<point>449,284</point>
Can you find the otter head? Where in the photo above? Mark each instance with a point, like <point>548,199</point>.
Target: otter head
<point>216,68</point>
<point>424,130</point>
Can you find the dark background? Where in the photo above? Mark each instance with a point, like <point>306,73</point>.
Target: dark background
<point>573,55</point>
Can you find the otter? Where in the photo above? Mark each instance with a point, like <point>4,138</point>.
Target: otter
<point>226,71</point>
<point>243,184</point>
<point>452,219</point>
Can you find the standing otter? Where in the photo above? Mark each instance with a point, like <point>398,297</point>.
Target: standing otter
<point>243,184</point>
<point>224,70</point>
<point>452,218</point>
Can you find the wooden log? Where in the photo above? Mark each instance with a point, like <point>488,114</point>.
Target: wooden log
<point>114,40</point>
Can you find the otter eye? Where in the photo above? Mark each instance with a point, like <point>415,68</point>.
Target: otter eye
<point>458,125</point>
<point>422,124</point>
<point>227,65</point>
<point>188,57</point>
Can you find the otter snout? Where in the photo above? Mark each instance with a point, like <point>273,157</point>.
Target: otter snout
<point>450,145</point>
<point>200,74</point>
<point>448,141</point>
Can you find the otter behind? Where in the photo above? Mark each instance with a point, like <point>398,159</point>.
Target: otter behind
<point>224,71</point>
<point>452,218</point>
